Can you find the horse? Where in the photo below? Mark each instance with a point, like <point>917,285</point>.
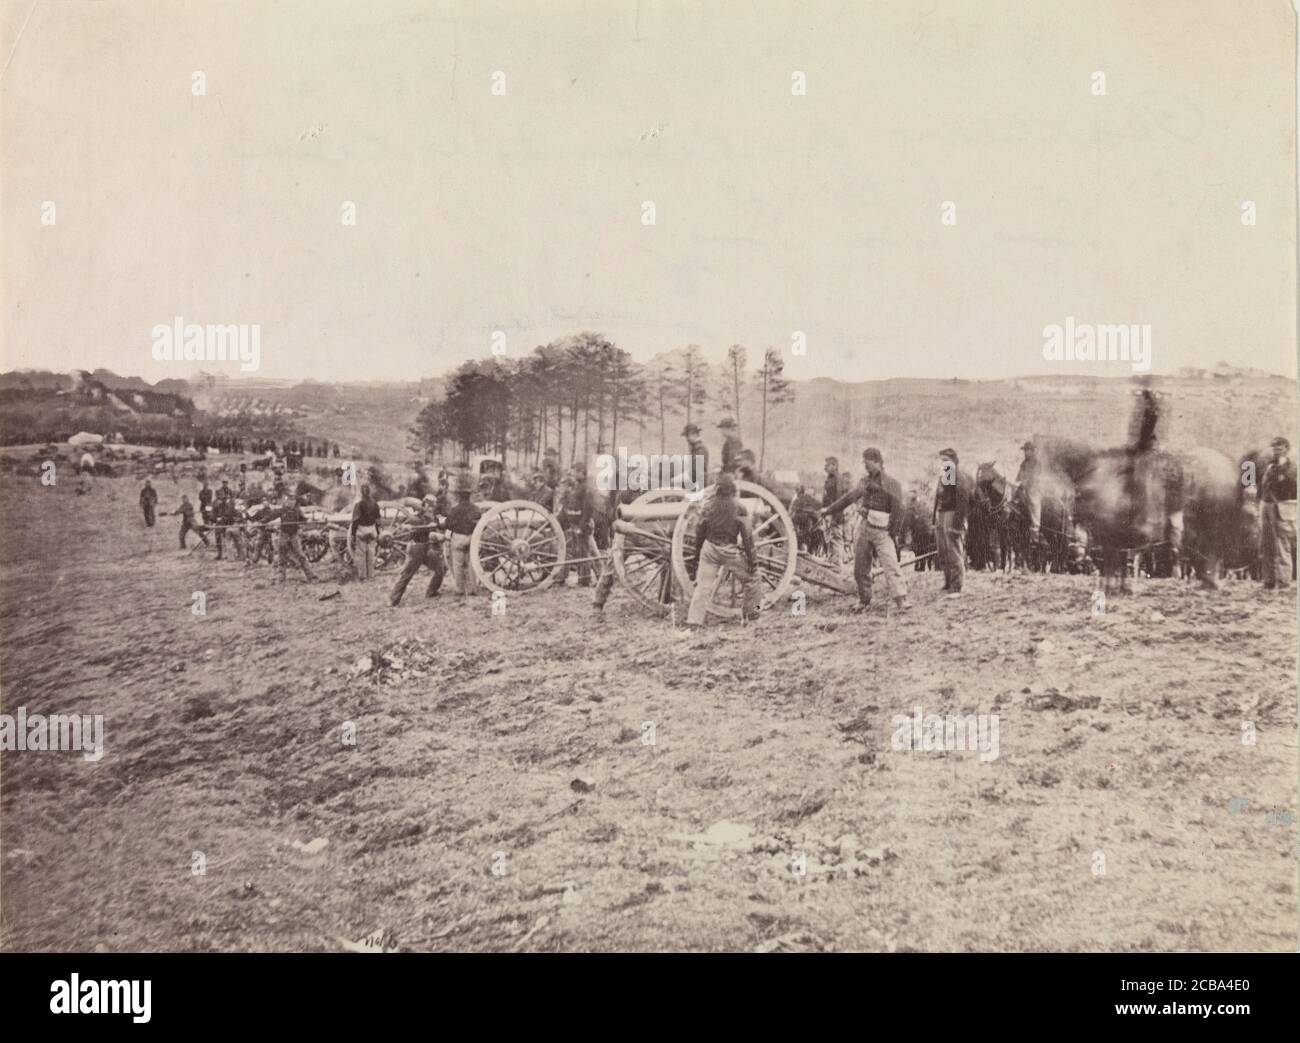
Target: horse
<point>1001,519</point>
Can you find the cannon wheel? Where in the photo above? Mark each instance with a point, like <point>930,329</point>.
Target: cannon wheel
<point>776,551</point>
<point>643,561</point>
<point>517,546</point>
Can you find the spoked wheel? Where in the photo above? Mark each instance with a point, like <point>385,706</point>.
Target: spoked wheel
<point>643,555</point>
<point>517,546</point>
<point>776,551</point>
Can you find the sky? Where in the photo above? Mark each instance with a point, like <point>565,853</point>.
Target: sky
<point>522,212</point>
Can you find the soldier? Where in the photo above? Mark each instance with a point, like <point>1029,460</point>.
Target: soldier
<point>291,517</point>
<point>837,485</point>
<point>227,518</point>
<point>695,476</point>
<point>461,520</point>
<point>148,503</point>
<point>540,492</point>
<point>575,510</point>
<point>951,511</point>
<point>1277,500</point>
<point>260,515</point>
<point>804,512</point>
<point>365,527</point>
<point>424,547</point>
<point>1029,478</point>
<point>186,511</point>
<point>723,542</point>
<point>880,501</point>
<point>205,503</point>
<point>730,442</point>
<point>605,584</point>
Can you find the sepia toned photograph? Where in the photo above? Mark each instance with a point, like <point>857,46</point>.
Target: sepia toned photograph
<point>621,476</point>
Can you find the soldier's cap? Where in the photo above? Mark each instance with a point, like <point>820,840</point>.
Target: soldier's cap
<point>950,454</point>
<point>538,476</point>
<point>1029,445</point>
<point>463,484</point>
<point>833,460</point>
<point>690,429</point>
<point>872,453</point>
<point>726,422</point>
<point>1280,443</point>
<point>726,485</point>
<point>745,454</point>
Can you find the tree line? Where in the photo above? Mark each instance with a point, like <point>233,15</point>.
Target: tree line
<point>583,392</point>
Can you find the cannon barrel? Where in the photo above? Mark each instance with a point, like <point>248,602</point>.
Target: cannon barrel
<point>671,510</point>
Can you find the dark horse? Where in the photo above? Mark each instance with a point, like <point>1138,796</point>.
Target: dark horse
<point>1154,505</point>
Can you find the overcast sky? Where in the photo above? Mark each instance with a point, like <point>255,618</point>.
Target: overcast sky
<point>523,212</point>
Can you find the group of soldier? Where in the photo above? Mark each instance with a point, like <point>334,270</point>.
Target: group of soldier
<point>439,526</point>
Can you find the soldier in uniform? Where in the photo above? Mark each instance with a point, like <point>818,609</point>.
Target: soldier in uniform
<point>365,527</point>
<point>148,503</point>
<point>1277,500</point>
<point>880,500</point>
<point>291,517</point>
<point>1029,478</point>
<point>540,492</point>
<point>461,520</point>
<point>424,547</point>
<point>575,509</point>
<point>723,542</point>
<point>186,511</point>
<point>695,476</point>
<point>260,541</point>
<point>605,584</point>
<point>226,517</point>
<point>837,485</point>
<point>951,510</point>
<point>205,503</point>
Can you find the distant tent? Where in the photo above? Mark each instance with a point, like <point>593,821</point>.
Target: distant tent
<point>85,438</point>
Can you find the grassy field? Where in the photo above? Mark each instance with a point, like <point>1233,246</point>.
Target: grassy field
<point>501,792</point>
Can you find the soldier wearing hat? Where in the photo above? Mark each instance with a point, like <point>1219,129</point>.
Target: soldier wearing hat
<point>461,520</point>
<point>695,476</point>
<point>1029,478</point>
<point>540,492</point>
<point>730,442</point>
<point>880,501</point>
<point>424,547</point>
<point>951,511</point>
<point>1277,500</point>
<point>837,485</point>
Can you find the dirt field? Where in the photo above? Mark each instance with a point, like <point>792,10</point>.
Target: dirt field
<point>500,794</point>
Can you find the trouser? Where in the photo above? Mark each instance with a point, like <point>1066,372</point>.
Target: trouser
<point>837,538</point>
<point>363,556</point>
<point>461,571</point>
<point>1276,542</point>
<point>575,545</point>
<point>148,515</point>
<point>1034,508</point>
<point>952,550</point>
<point>231,534</point>
<point>291,550</point>
<point>187,528</point>
<point>869,544</point>
<point>715,563</point>
<point>418,554</point>
<point>605,585</point>
<point>261,542</point>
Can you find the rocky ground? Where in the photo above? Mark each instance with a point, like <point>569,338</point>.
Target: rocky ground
<point>545,780</point>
